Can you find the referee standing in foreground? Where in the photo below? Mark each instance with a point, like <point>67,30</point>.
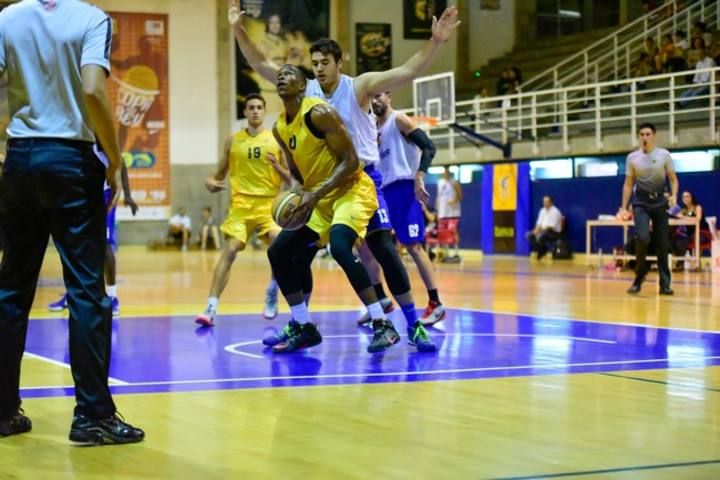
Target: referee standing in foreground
<point>647,169</point>
<point>56,54</point>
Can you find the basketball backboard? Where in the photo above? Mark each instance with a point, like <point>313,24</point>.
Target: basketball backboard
<point>434,96</point>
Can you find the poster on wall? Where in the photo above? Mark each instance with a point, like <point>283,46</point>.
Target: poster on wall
<point>505,182</point>
<point>417,17</point>
<point>138,89</point>
<point>284,31</point>
<point>374,47</point>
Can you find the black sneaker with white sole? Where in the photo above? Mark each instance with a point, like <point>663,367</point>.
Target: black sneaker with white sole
<point>104,431</point>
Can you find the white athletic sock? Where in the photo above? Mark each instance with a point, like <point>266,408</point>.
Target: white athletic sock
<point>111,290</point>
<point>376,311</point>
<point>272,286</point>
<point>300,312</point>
<point>213,303</point>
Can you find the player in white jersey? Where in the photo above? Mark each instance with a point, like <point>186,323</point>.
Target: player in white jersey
<point>406,152</point>
<point>352,97</point>
<point>448,207</point>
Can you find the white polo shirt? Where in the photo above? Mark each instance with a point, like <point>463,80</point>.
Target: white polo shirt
<point>43,46</point>
<point>550,218</point>
<point>178,220</point>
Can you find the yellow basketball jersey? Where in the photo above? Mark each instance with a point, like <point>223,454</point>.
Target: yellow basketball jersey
<point>250,171</point>
<point>310,154</point>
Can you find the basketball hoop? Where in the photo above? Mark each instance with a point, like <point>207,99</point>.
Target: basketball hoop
<point>132,103</point>
<point>425,122</point>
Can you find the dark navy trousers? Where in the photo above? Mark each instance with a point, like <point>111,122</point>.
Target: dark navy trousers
<point>55,187</point>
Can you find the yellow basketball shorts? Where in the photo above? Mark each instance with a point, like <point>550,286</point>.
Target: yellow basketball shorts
<point>248,213</point>
<point>354,208</point>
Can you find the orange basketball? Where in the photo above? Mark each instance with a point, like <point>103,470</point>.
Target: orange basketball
<point>282,208</point>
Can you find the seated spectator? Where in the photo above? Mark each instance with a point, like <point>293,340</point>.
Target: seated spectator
<point>700,79</point>
<point>670,59</point>
<point>700,30</point>
<point>645,67</point>
<point>650,47</point>
<point>684,235</point>
<point>209,228</point>
<point>179,229</point>
<point>504,83</point>
<point>693,55</point>
<point>516,78</point>
<point>715,53</point>
<point>680,40</point>
<point>547,228</point>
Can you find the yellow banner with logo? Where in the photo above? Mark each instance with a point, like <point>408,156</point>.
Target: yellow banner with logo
<point>505,187</point>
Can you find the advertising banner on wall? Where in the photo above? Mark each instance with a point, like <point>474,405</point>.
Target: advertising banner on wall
<point>417,17</point>
<point>373,43</point>
<point>284,31</point>
<point>505,183</point>
<point>139,92</point>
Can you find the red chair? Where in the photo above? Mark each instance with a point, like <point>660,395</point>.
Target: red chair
<point>448,231</point>
<point>705,241</point>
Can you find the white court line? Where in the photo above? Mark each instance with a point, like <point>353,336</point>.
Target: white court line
<point>64,365</point>
<point>392,374</point>
<point>233,348</point>
<point>537,316</point>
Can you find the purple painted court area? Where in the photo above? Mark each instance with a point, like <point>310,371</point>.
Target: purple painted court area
<point>161,354</point>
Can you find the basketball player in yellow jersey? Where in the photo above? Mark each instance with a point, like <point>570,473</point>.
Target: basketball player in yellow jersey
<point>251,161</point>
<point>341,200</point>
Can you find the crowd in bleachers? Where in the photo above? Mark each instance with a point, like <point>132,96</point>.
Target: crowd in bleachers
<point>678,52</point>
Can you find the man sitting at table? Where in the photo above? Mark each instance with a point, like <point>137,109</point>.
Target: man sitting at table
<point>547,228</point>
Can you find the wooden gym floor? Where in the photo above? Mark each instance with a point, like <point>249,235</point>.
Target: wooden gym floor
<point>545,370</point>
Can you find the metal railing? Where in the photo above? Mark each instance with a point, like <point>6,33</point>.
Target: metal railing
<point>597,109</point>
<point>612,57</point>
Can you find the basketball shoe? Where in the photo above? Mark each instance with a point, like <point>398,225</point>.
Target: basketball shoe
<point>434,313</point>
<point>60,305</point>
<point>384,336</point>
<point>304,337</point>
<point>387,306</point>
<point>418,337</point>
<point>207,318</point>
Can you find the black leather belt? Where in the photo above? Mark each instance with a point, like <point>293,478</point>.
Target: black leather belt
<point>649,195</point>
<point>30,142</point>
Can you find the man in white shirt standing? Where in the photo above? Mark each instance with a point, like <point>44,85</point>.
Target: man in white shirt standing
<point>547,228</point>
<point>448,207</point>
<point>56,54</point>
<point>179,228</point>
<point>701,80</point>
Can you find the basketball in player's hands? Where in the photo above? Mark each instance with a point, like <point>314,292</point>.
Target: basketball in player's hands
<point>283,208</point>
